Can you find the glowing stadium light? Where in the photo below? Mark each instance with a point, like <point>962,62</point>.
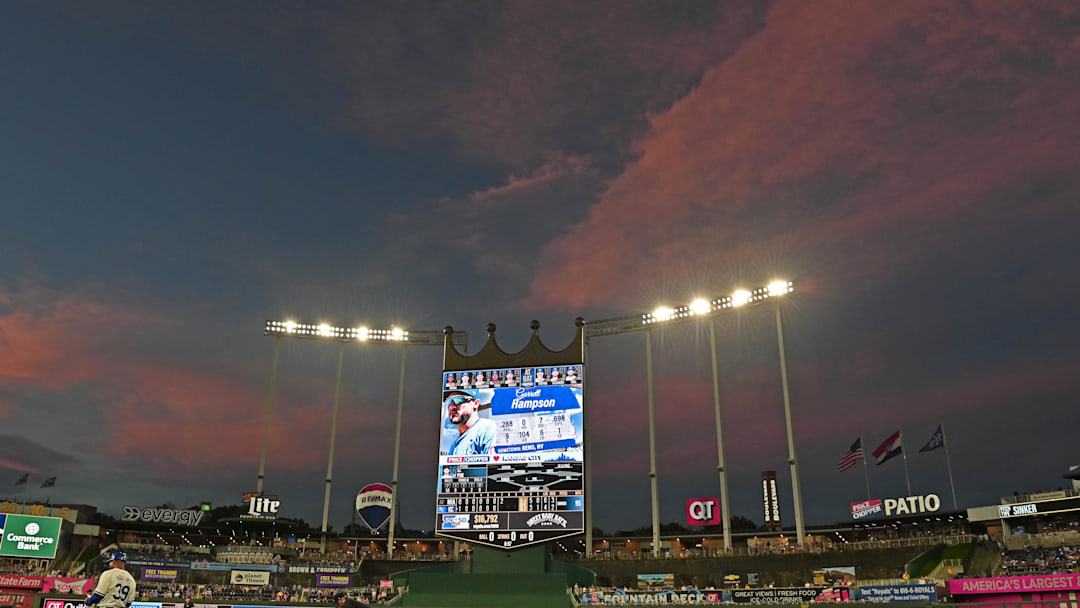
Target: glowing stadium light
<point>663,313</point>
<point>700,307</point>
<point>779,288</point>
<point>740,297</point>
<point>347,334</point>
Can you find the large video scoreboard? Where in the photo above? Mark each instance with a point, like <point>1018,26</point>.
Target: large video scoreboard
<point>510,455</point>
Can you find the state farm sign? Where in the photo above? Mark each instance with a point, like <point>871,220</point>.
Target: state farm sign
<point>16,581</point>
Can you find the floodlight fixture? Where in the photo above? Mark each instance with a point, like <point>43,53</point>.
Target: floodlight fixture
<point>700,307</point>
<point>334,332</point>
<point>779,288</point>
<point>740,297</point>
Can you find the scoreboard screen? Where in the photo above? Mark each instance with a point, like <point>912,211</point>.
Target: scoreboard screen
<point>511,456</point>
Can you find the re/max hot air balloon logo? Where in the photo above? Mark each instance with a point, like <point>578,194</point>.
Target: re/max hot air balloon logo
<point>373,505</point>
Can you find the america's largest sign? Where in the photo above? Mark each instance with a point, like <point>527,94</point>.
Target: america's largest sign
<point>511,467</point>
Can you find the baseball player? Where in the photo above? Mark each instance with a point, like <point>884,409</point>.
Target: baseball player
<point>476,434</point>
<point>115,587</point>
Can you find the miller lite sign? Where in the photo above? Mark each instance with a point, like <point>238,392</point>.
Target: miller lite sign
<point>260,507</point>
<point>702,511</point>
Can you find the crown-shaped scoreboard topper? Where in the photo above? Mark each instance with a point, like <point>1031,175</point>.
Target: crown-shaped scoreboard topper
<point>535,352</point>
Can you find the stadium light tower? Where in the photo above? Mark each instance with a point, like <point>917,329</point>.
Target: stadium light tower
<point>343,335</point>
<point>775,290</point>
<point>697,310</point>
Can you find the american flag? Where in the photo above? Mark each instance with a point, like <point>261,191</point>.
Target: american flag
<point>850,457</point>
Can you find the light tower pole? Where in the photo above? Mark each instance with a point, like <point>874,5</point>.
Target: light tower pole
<point>343,335</point>
<point>698,310</point>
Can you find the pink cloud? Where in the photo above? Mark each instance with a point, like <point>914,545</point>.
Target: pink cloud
<point>851,133</point>
<point>51,340</point>
<point>215,424</point>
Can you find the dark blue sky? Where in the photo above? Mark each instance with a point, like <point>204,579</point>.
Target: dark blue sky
<point>172,176</point>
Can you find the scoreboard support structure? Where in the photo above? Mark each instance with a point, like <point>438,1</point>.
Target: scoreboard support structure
<point>512,440</point>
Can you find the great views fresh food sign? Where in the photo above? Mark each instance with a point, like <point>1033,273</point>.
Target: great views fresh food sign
<point>29,536</point>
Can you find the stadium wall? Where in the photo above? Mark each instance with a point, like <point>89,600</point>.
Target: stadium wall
<point>782,570</point>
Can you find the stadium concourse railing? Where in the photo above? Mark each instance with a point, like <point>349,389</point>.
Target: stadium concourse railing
<point>891,543</point>
<point>1034,496</point>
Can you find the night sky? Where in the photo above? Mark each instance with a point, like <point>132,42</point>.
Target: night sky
<point>172,175</point>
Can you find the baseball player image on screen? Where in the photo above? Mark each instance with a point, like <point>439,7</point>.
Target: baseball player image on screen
<point>115,587</point>
<point>476,435</point>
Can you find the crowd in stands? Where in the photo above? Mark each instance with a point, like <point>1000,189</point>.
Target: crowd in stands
<point>234,554</point>
<point>1040,560</point>
<point>264,593</point>
<point>30,567</point>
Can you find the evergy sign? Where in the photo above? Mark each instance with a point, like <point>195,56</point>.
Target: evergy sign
<point>180,517</point>
<point>1016,584</point>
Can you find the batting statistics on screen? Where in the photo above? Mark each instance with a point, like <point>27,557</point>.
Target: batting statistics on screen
<point>510,455</point>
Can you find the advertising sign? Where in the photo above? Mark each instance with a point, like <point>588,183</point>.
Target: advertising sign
<point>161,563</point>
<point>74,586</point>
<point>653,581</point>
<point>16,599</point>
<point>784,595</point>
<point>18,581</point>
<point>164,575</point>
<point>333,580</point>
<point>29,536</point>
<point>867,508</point>
<point>770,499</point>
<point>373,503</point>
<point>260,506</point>
<point>620,597</point>
<point>511,455</point>
<point>911,505</point>
<point>1016,584</point>
<point>1039,508</point>
<point>318,569</point>
<point>55,603</point>
<point>834,574</point>
<point>150,515</point>
<point>702,511</point>
<point>899,593</point>
<point>386,583</point>
<point>249,577</point>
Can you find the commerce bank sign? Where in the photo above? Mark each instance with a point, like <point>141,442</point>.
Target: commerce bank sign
<point>29,536</point>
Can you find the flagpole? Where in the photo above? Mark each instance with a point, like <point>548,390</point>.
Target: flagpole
<point>907,476</point>
<point>948,465</point>
<point>865,468</point>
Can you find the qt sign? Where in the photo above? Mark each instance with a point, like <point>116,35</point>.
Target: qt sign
<point>702,511</point>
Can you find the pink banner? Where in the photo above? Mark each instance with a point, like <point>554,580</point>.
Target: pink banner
<point>18,581</point>
<point>1015,584</point>
<point>74,586</point>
